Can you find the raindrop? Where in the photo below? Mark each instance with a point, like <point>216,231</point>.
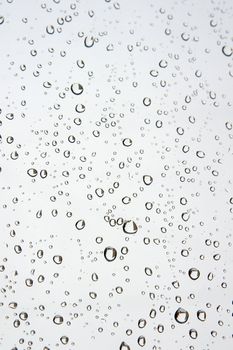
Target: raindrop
<point>147,101</point>
<point>80,63</point>
<point>147,179</point>
<point>89,41</point>
<point>80,224</point>
<point>23,316</point>
<point>124,346</point>
<point>142,323</point>
<point>181,315</point>
<point>80,108</point>
<point>50,29</point>
<point>142,341</point>
<point>127,142</point>
<point>43,174</point>
<point>58,319</point>
<point>193,333</point>
<point>130,227</point>
<point>64,340</point>
<point>194,273</point>
<point>99,192</point>
<point>200,154</point>
<point>110,253</point>
<point>18,249</point>
<point>57,259</point>
<point>227,51</point>
<point>76,88</point>
<point>201,315</point>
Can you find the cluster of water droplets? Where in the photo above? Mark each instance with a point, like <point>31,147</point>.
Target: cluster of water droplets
<point>116,208</point>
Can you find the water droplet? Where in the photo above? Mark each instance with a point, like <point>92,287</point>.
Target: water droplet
<point>194,273</point>
<point>148,271</point>
<point>130,227</point>
<point>64,340</point>
<point>13,305</point>
<point>23,316</point>
<point>193,333</point>
<point>80,63</point>
<point>227,51</point>
<point>18,249</point>
<point>201,315</point>
<point>57,259</point>
<point>76,88</point>
<point>29,282</point>
<point>181,315</point>
<point>110,253</point>
<point>80,224</point>
<point>58,319</point>
<point>50,29</point>
<point>124,346</point>
<point>89,41</point>
<point>99,192</point>
<point>127,142</point>
<point>147,101</point>
<point>142,323</point>
<point>163,64</point>
<point>147,179</point>
<point>80,108</point>
<point>43,174</point>
<point>200,154</point>
<point>141,341</point>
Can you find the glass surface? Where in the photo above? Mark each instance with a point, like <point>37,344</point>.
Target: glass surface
<point>116,175</point>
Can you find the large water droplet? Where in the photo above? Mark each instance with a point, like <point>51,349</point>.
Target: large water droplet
<point>181,315</point>
<point>201,315</point>
<point>58,319</point>
<point>80,224</point>
<point>110,253</point>
<point>130,227</point>
<point>147,179</point>
<point>76,88</point>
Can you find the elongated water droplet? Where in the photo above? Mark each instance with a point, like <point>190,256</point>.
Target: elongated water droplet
<point>142,341</point>
<point>227,51</point>
<point>110,253</point>
<point>89,41</point>
<point>201,315</point>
